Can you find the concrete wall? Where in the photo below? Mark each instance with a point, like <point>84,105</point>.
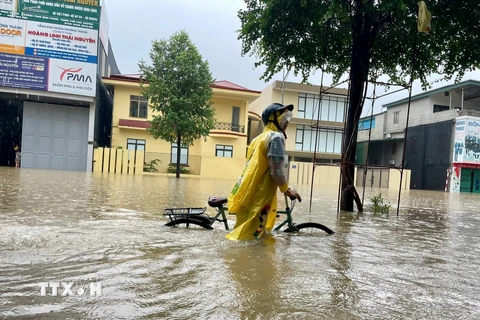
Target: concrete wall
<point>263,101</point>
<point>417,108</point>
<point>225,168</point>
<point>224,110</point>
<point>377,132</point>
<point>394,179</point>
<point>301,173</point>
<point>443,100</point>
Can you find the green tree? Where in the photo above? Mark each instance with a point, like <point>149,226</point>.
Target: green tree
<point>177,86</point>
<point>361,39</point>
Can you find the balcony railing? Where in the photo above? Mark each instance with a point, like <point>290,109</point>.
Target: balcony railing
<point>229,127</point>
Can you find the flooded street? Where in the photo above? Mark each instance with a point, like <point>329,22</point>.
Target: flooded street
<point>84,227</point>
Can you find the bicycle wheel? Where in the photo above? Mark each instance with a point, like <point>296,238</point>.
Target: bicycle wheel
<point>309,227</point>
<point>197,221</point>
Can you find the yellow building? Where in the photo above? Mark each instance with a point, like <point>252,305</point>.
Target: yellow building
<point>221,155</point>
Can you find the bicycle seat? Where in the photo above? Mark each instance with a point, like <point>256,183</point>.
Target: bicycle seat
<point>217,202</point>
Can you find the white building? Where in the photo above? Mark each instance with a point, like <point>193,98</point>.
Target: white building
<point>433,138</point>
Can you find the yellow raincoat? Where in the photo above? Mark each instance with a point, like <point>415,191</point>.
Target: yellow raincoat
<point>254,197</point>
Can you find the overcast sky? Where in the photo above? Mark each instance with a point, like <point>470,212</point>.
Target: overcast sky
<point>212,26</point>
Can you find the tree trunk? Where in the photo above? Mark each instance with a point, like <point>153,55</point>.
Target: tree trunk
<point>358,76</point>
<point>179,150</point>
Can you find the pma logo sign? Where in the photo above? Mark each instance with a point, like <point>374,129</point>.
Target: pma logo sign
<point>72,74</point>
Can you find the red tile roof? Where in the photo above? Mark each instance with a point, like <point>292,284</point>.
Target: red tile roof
<point>228,85</point>
<point>224,84</point>
<point>134,123</point>
<point>221,84</point>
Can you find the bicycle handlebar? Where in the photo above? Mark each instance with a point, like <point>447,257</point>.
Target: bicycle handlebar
<point>291,198</point>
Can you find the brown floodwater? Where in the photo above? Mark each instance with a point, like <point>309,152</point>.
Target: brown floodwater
<point>109,229</point>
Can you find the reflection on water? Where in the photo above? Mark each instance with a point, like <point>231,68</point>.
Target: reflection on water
<point>71,226</point>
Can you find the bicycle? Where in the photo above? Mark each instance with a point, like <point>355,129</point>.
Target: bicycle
<point>198,217</point>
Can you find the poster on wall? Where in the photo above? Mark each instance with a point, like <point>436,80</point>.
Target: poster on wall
<point>455,179</point>
<point>459,144</point>
<point>49,45</point>
<point>472,140</point>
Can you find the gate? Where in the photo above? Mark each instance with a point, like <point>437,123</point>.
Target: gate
<point>118,161</point>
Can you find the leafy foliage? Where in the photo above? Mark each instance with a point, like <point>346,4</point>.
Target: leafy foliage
<point>308,34</point>
<point>177,86</point>
<point>151,166</point>
<point>173,169</point>
<point>364,39</point>
<point>380,205</point>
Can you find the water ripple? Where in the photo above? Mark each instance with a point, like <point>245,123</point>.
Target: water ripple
<point>82,228</point>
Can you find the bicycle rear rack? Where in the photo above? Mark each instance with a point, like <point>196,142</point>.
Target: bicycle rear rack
<point>183,213</point>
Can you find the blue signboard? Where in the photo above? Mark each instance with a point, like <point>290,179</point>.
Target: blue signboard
<point>23,72</point>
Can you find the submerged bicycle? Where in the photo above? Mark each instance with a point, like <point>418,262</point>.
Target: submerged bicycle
<point>197,216</point>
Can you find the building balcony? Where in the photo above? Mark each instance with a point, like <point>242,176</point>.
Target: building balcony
<point>226,129</point>
<point>229,127</point>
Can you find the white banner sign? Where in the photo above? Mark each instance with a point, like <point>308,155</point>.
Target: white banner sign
<point>63,42</point>
<point>72,77</point>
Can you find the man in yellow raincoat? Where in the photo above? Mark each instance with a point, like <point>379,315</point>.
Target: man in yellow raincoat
<point>254,197</point>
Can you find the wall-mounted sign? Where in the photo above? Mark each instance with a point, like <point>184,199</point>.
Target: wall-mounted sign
<point>49,45</point>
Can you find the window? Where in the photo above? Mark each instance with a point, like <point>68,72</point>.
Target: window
<point>138,107</point>
<point>136,144</point>
<point>396,116</point>
<point>328,140</point>
<point>223,151</point>
<point>183,154</point>
<point>236,119</point>
<point>331,108</point>
<point>438,108</point>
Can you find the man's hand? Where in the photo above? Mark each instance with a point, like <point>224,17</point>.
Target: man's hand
<point>292,194</point>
